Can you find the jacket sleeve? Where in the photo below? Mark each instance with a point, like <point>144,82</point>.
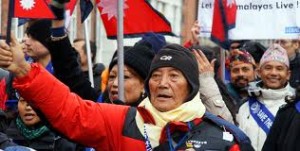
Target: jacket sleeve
<point>67,69</point>
<point>212,98</point>
<point>83,121</point>
<point>5,141</point>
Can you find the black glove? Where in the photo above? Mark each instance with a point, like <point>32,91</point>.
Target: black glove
<point>62,1</point>
<point>58,8</point>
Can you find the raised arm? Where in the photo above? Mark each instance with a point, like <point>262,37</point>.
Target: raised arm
<point>65,64</point>
<point>86,122</point>
<point>211,96</point>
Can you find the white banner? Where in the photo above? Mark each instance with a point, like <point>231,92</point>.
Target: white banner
<point>257,19</point>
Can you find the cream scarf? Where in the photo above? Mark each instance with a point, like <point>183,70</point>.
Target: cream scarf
<point>188,111</point>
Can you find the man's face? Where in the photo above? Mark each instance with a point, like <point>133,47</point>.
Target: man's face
<point>79,48</point>
<point>168,88</point>
<point>33,48</point>
<point>242,74</point>
<point>274,74</point>
<point>289,45</point>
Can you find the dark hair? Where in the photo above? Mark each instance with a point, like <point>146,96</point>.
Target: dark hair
<point>240,42</point>
<point>92,45</point>
<point>256,49</point>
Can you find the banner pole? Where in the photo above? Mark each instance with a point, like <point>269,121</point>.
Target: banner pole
<point>222,60</point>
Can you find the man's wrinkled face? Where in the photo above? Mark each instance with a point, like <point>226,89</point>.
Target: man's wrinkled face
<point>168,88</point>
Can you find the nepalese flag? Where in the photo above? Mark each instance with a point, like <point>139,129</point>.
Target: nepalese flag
<point>86,6</point>
<point>3,94</point>
<point>70,6</point>
<point>139,18</point>
<point>32,9</point>
<point>224,17</point>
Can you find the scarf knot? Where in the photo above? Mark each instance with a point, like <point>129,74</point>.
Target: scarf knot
<point>175,127</point>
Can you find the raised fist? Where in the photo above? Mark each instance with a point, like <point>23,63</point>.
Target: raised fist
<point>58,8</point>
<point>62,1</point>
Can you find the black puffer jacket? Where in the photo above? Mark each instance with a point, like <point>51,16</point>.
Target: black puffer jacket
<point>285,132</point>
<point>295,68</point>
<point>46,142</point>
<point>5,141</point>
<point>67,69</point>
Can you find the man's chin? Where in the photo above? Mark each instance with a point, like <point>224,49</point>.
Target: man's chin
<point>274,86</point>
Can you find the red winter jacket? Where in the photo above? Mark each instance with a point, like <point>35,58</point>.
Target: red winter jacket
<point>104,122</point>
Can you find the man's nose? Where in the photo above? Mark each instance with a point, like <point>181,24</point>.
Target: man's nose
<point>164,81</point>
<point>273,71</point>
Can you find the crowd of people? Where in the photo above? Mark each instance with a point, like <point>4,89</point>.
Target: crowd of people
<point>173,96</point>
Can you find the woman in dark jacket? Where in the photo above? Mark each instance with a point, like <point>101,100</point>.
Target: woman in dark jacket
<point>28,130</point>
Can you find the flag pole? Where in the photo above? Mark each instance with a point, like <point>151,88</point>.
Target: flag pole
<point>222,60</point>
<point>9,20</point>
<point>120,36</point>
<point>88,52</point>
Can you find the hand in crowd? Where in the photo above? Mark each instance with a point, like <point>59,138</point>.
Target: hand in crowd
<point>203,64</point>
<point>195,30</point>
<point>12,57</point>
